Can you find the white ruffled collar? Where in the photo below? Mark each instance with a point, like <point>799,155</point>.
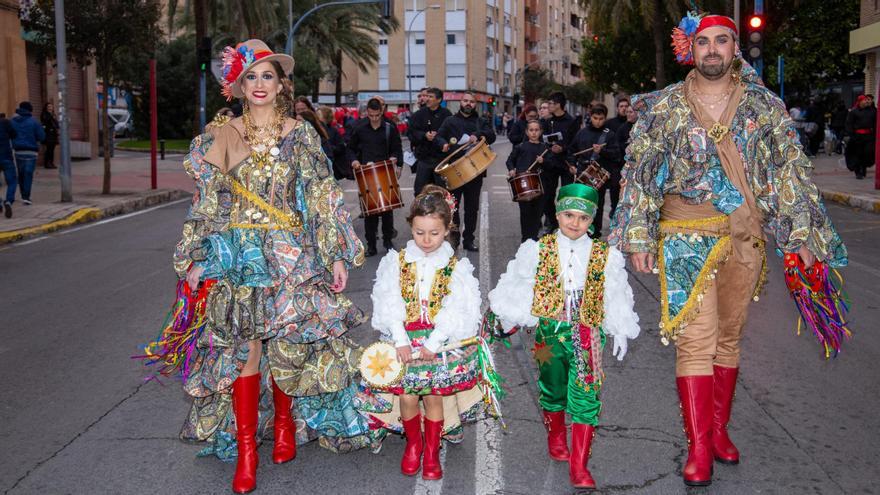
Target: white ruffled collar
<point>584,242</point>
<point>438,258</point>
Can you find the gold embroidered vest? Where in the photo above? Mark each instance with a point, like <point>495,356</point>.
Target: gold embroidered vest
<point>410,294</point>
<point>549,296</point>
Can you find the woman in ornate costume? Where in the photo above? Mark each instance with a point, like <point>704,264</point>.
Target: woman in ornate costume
<point>268,245</point>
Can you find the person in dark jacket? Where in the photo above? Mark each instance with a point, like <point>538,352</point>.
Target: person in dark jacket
<point>625,130</point>
<point>7,163</point>
<point>603,142</point>
<point>50,127</point>
<point>422,133</point>
<point>26,146</point>
<point>466,121</point>
<point>334,145</point>
<point>375,139</point>
<point>614,123</point>
<point>520,159</point>
<point>559,129</point>
<point>838,125</point>
<point>517,131</point>
<point>860,129</point>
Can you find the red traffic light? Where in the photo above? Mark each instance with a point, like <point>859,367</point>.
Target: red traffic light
<point>756,22</point>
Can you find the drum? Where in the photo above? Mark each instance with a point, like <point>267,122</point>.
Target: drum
<point>377,188</point>
<point>526,186</point>
<point>594,175</point>
<point>468,167</point>
<point>379,365</point>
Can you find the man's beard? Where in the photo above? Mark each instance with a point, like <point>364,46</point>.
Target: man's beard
<point>714,71</point>
<point>467,110</point>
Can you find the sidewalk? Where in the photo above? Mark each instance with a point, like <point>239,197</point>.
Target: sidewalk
<point>839,185</point>
<point>130,188</point>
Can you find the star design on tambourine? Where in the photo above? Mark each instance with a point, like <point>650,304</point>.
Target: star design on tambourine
<point>380,363</point>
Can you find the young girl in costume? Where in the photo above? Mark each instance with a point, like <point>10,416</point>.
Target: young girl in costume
<point>424,298</point>
<point>575,290</point>
<point>521,158</point>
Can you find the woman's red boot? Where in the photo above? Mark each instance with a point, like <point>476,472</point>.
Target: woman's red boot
<point>557,443</point>
<point>284,449</point>
<point>581,440</point>
<point>245,404</point>
<point>695,393</point>
<point>725,385</point>
<point>431,469</point>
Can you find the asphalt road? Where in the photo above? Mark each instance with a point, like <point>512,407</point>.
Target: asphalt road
<point>77,417</point>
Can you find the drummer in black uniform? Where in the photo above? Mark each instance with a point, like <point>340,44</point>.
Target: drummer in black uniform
<point>604,149</point>
<point>374,139</point>
<point>520,159</point>
<point>465,122</point>
<point>423,127</point>
<point>559,130</point>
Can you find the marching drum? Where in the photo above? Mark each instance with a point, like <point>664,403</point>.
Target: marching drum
<point>594,175</point>
<point>378,189</point>
<point>526,186</point>
<point>379,365</point>
<point>467,168</point>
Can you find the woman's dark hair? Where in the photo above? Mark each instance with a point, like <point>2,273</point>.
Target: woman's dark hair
<point>431,202</point>
<point>526,109</point>
<point>286,94</point>
<point>312,118</point>
<point>305,101</point>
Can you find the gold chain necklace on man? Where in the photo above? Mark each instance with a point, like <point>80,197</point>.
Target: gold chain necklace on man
<point>718,99</point>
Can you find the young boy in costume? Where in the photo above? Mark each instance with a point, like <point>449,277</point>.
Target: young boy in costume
<point>578,293</point>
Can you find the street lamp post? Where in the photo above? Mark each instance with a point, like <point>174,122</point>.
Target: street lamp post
<point>406,38</point>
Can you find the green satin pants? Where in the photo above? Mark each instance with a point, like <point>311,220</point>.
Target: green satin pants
<point>557,378</point>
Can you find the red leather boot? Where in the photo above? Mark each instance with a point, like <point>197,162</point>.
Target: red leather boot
<point>557,444</point>
<point>695,394</point>
<point>431,469</point>
<point>245,402</point>
<point>412,454</point>
<point>284,449</point>
<point>581,440</point>
<point>725,385</point>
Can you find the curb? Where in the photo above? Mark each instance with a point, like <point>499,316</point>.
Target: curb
<point>865,203</point>
<point>90,214</point>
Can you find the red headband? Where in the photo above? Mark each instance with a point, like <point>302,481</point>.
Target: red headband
<point>717,20</point>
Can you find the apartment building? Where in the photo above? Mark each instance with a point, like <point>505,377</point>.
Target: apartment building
<point>554,34</point>
<point>866,41</point>
<point>452,44</point>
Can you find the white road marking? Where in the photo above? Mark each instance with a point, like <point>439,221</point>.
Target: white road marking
<point>31,241</point>
<point>487,479</point>
<point>123,217</point>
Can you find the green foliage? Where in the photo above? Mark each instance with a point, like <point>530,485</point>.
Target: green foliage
<point>538,83</point>
<point>813,36</point>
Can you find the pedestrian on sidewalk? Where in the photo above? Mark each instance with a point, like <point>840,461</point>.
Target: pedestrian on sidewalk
<point>50,127</point>
<point>838,125</point>
<point>26,146</point>
<point>861,131</point>
<point>695,209</point>
<point>7,163</point>
<point>266,249</point>
<point>575,291</point>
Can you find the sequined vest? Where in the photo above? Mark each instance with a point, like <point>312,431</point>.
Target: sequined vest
<point>549,296</point>
<point>410,293</point>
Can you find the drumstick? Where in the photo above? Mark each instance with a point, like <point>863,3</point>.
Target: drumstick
<point>452,346</point>
<point>536,160</point>
<point>581,152</point>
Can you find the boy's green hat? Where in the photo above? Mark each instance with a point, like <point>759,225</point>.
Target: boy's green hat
<point>579,197</point>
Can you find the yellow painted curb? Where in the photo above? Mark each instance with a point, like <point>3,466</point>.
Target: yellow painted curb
<point>79,216</point>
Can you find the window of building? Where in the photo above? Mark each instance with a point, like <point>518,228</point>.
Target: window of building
<point>414,4</point>
<point>450,38</point>
<point>420,41</point>
<point>383,41</point>
<point>456,70</point>
<point>456,5</point>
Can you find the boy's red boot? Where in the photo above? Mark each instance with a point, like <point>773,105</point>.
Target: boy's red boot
<point>431,469</point>
<point>557,445</point>
<point>581,440</point>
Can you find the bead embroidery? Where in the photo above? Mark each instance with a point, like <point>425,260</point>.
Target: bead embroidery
<point>439,289</point>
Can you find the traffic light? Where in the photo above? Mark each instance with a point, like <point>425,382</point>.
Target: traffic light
<point>204,53</point>
<point>755,40</point>
<point>388,9</point>
<point>492,101</point>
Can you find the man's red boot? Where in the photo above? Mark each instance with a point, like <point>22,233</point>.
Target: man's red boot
<point>725,385</point>
<point>695,394</point>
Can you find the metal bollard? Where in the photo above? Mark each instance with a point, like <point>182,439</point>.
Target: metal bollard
<point>162,148</point>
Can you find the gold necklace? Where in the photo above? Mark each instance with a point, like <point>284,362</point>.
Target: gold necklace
<point>717,98</point>
<point>263,139</point>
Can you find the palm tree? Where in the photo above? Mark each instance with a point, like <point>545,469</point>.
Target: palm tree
<point>653,14</point>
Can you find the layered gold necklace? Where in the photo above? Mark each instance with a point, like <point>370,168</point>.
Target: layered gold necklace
<point>715,100</point>
<point>263,140</point>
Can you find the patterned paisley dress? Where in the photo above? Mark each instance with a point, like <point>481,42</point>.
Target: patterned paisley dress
<point>268,228</point>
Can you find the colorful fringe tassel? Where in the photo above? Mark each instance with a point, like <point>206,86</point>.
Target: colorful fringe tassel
<point>176,346</point>
<point>817,292</point>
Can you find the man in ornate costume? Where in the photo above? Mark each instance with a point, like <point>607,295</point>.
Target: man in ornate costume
<point>713,164</point>
<point>266,246</point>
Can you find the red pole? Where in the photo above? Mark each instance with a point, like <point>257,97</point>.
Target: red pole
<point>877,144</point>
<point>154,123</point>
